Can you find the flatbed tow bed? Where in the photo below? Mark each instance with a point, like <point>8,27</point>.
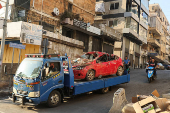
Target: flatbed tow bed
<point>87,86</point>
<point>53,89</point>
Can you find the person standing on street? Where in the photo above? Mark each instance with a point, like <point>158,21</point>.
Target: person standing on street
<point>127,62</point>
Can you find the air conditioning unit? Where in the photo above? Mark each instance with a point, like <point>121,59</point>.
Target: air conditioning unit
<point>23,38</point>
<point>71,1</point>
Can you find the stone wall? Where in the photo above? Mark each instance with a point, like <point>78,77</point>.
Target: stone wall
<point>86,8</point>
<point>4,77</point>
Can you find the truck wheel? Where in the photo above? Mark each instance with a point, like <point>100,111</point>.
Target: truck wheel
<point>90,75</point>
<point>120,71</point>
<point>54,99</point>
<point>104,90</point>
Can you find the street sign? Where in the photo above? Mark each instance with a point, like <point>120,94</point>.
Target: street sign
<point>15,45</point>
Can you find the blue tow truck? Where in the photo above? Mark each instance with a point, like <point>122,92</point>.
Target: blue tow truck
<point>33,83</point>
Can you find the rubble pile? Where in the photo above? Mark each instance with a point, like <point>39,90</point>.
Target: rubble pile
<point>141,103</point>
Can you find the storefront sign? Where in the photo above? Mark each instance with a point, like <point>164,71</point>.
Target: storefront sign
<point>31,33</point>
<point>153,54</point>
<point>80,24</point>
<point>93,29</point>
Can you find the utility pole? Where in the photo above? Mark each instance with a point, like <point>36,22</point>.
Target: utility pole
<point>4,36</point>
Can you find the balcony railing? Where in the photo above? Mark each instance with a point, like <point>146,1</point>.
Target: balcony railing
<point>155,25</point>
<point>167,51</point>
<point>107,31</point>
<point>154,42</point>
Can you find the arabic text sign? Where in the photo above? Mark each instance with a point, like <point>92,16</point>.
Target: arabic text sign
<point>31,33</point>
<point>15,45</point>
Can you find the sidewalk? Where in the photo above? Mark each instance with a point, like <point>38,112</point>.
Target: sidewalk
<point>5,92</point>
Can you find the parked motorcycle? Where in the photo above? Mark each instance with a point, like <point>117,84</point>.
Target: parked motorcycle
<point>150,73</point>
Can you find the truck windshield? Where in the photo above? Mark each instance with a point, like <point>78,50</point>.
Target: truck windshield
<point>29,68</point>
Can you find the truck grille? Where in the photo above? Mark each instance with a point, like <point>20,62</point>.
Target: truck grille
<point>22,92</point>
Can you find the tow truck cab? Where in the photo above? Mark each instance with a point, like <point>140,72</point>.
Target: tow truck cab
<point>34,83</point>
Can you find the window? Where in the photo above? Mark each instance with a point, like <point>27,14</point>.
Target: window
<point>102,58</point>
<point>165,22</point>
<point>70,7</point>
<point>135,8</point>
<point>132,24</point>
<point>163,19</point>
<point>145,3</point>
<point>113,23</point>
<point>144,17</point>
<point>51,69</point>
<point>153,7</point>
<point>47,26</point>
<point>114,6</point>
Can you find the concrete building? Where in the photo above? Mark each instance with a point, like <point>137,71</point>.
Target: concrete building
<point>130,17</point>
<point>159,32</point>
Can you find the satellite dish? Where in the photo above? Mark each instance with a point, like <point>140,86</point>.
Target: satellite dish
<point>56,11</point>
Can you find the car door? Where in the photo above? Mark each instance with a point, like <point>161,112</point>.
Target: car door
<point>102,65</point>
<point>112,66</point>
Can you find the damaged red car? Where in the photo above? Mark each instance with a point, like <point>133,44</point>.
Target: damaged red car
<point>97,64</point>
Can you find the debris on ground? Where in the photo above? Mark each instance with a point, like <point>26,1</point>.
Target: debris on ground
<point>141,103</point>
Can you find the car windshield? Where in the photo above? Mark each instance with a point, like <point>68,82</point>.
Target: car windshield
<point>29,68</point>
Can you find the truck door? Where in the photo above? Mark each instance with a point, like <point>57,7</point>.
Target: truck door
<point>53,76</point>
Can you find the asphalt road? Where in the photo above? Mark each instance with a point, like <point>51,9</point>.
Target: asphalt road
<point>98,103</point>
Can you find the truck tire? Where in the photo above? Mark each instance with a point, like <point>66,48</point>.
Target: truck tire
<point>90,75</point>
<point>54,99</point>
<point>104,90</point>
<point>120,71</point>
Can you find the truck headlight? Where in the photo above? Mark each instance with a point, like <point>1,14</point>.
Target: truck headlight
<point>14,91</point>
<point>34,94</point>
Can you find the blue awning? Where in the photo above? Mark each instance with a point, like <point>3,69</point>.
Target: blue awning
<point>13,41</point>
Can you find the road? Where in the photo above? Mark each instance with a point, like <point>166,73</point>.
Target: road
<point>98,103</point>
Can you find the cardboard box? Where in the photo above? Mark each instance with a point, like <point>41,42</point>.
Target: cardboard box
<point>162,103</point>
<point>140,104</point>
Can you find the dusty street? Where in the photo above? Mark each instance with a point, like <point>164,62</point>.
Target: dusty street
<point>98,103</point>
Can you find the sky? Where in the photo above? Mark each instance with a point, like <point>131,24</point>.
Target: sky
<point>165,5</point>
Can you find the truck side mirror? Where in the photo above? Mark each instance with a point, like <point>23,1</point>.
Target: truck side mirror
<point>5,69</point>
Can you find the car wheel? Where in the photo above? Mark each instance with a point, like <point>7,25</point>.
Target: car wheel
<point>90,75</point>
<point>120,71</point>
<point>54,99</point>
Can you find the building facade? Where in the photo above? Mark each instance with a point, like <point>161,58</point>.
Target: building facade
<point>159,32</point>
<point>130,17</point>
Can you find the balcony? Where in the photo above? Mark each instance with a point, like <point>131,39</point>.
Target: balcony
<point>163,48</point>
<point>167,41</point>
<point>167,51</point>
<point>109,32</point>
<point>154,42</point>
<point>155,25</point>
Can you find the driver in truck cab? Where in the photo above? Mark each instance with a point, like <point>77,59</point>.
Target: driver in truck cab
<point>52,68</point>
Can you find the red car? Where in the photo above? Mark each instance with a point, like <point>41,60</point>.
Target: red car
<point>98,64</point>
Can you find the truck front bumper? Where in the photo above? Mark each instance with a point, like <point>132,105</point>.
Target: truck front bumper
<point>24,100</point>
